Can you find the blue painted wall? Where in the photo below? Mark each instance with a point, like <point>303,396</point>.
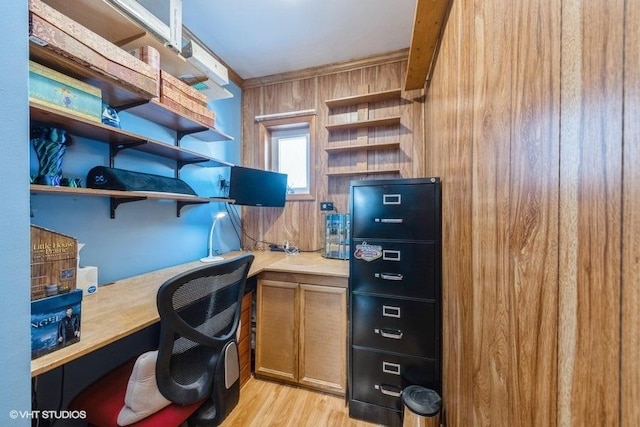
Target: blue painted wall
<point>145,235</point>
<point>15,381</point>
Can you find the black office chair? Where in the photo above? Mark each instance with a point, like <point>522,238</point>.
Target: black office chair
<point>197,366</point>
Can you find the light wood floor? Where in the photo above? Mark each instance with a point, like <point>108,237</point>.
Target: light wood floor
<point>267,403</point>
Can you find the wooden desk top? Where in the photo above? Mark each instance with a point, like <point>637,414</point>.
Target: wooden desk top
<point>130,304</point>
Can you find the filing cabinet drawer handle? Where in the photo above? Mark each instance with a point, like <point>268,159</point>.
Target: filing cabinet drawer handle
<point>391,368</point>
<point>395,334</point>
<point>389,220</point>
<point>389,390</point>
<point>391,276</point>
<point>391,311</point>
<point>392,199</point>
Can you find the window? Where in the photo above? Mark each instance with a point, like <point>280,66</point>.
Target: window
<point>290,155</point>
<point>288,148</point>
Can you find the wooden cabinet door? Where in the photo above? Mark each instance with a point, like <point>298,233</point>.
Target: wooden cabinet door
<point>277,330</point>
<point>323,337</point>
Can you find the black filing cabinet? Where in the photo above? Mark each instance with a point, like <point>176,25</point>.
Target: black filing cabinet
<point>395,294</point>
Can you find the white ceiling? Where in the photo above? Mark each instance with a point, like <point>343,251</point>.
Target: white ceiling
<point>257,38</point>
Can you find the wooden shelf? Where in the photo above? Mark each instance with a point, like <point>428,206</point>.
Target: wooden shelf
<point>122,98</point>
<point>119,197</point>
<point>363,147</point>
<point>74,191</point>
<point>387,95</point>
<point>120,139</point>
<point>387,121</point>
<point>365,172</point>
<point>167,117</point>
<point>120,30</point>
<point>114,92</point>
<point>123,31</point>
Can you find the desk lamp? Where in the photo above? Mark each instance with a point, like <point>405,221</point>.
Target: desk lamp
<point>211,257</point>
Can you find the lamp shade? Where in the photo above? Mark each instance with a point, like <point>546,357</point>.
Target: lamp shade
<point>211,257</point>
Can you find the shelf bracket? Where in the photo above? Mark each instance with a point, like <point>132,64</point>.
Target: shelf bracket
<point>182,163</point>
<point>130,105</point>
<point>182,133</point>
<point>181,204</point>
<point>117,201</point>
<point>115,149</point>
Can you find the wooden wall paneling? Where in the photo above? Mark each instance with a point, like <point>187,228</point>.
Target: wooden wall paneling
<point>322,141</point>
<point>448,153</point>
<point>386,76</point>
<point>252,152</point>
<point>630,345</point>
<point>413,144</point>
<point>363,135</point>
<point>493,332</point>
<point>311,92</point>
<point>590,213</point>
<point>331,87</point>
<point>290,96</point>
<point>279,225</point>
<point>533,241</point>
<point>251,107</point>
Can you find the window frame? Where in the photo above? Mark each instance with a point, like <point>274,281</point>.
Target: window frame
<point>266,129</point>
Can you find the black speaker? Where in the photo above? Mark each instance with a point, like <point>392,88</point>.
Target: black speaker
<point>104,178</point>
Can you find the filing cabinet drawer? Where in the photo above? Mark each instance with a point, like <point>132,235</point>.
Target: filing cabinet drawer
<point>400,326</point>
<point>396,211</point>
<point>403,269</point>
<point>379,377</point>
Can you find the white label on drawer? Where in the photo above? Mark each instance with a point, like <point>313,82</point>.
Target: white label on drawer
<point>390,255</point>
<point>391,368</point>
<point>391,311</point>
<point>391,199</point>
<point>367,252</point>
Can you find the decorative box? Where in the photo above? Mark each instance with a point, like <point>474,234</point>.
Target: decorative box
<point>53,261</point>
<point>184,99</point>
<point>63,93</point>
<point>56,33</point>
<point>55,322</point>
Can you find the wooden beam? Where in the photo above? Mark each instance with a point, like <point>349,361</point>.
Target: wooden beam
<point>429,22</point>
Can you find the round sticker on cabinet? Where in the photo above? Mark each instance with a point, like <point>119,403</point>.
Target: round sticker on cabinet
<point>367,252</point>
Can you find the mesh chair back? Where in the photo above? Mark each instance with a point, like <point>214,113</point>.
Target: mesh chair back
<point>199,314</point>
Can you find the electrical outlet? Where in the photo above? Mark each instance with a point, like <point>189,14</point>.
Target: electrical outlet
<point>326,206</point>
<point>222,183</point>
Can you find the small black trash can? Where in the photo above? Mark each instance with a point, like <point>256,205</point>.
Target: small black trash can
<point>421,407</point>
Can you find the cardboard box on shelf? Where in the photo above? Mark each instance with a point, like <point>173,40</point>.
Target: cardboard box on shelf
<point>55,322</point>
<point>53,261</point>
<point>184,99</point>
<point>171,81</point>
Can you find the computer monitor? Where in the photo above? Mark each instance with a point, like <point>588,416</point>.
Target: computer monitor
<point>257,187</point>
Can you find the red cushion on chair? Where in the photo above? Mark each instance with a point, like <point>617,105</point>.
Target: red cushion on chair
<point>103,400</point>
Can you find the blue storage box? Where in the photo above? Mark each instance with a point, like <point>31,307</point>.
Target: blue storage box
<point>55,322</point>
<point>62,93</point>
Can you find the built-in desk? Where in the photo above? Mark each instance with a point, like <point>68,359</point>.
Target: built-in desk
<point>129,305</point>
